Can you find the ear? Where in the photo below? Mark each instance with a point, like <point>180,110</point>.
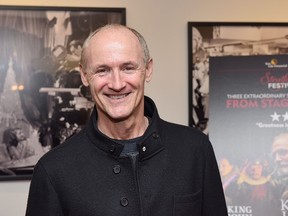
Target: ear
<point>83,76</point>
<point>149,70</point>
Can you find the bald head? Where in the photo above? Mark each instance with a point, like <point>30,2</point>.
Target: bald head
<point>112,29</point>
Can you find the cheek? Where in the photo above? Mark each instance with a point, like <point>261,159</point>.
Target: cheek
<point>95,85</point>
<point>141,79</point>
<point>136,82</point>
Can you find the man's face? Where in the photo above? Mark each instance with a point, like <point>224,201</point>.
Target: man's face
<point>116,74</point>
<point>256,171</point>
<point>225,167</point>
<point>280,155</point>
<point>281,160</point>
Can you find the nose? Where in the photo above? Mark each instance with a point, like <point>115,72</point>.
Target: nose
<point>116,81</point>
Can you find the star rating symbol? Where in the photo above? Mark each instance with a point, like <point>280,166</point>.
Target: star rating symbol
<point>285,117</point>
<point>275,116</point>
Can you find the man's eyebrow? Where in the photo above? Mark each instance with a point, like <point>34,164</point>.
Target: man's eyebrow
<point>130,63</point>
<point>95,67</point>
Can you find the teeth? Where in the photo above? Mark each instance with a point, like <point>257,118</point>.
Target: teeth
<point>117,96</point>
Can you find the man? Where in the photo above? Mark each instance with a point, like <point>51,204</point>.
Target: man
<point>280,155</point>
<point>254,188</point>
<point>229,174</point>
<point>127,161</point>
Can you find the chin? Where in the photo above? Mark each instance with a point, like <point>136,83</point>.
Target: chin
<point>120,113</point>
<point>118,116</point>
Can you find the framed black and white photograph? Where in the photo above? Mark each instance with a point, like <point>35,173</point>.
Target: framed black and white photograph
<point>210,39</point>
<point>42,100</point>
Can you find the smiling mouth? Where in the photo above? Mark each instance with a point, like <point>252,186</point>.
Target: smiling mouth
<point>117,97</point>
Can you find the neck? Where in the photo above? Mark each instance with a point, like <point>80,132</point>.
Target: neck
<point>124,130</point>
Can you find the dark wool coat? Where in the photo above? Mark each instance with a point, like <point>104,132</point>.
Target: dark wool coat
<point>174,174</point>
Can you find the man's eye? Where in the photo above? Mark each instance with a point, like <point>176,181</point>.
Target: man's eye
<point>129,69</point>
<point>101,71</point>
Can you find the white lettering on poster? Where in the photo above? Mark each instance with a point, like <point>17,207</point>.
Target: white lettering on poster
<point>239,210</point>
<point>284,207</point>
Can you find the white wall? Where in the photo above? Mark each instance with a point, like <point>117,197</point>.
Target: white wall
<point>164,25</point>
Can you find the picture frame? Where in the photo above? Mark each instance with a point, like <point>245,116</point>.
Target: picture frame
<point>207,39</point>
<point>42,99</point>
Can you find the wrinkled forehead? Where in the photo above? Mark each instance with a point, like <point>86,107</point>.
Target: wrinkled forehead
<point>114,39</point>
<point>114,34</point>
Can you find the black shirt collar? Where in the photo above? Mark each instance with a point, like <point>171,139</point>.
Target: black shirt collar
<point>148,145</point>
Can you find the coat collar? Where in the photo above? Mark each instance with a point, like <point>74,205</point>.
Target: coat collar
<point>149,144</point>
